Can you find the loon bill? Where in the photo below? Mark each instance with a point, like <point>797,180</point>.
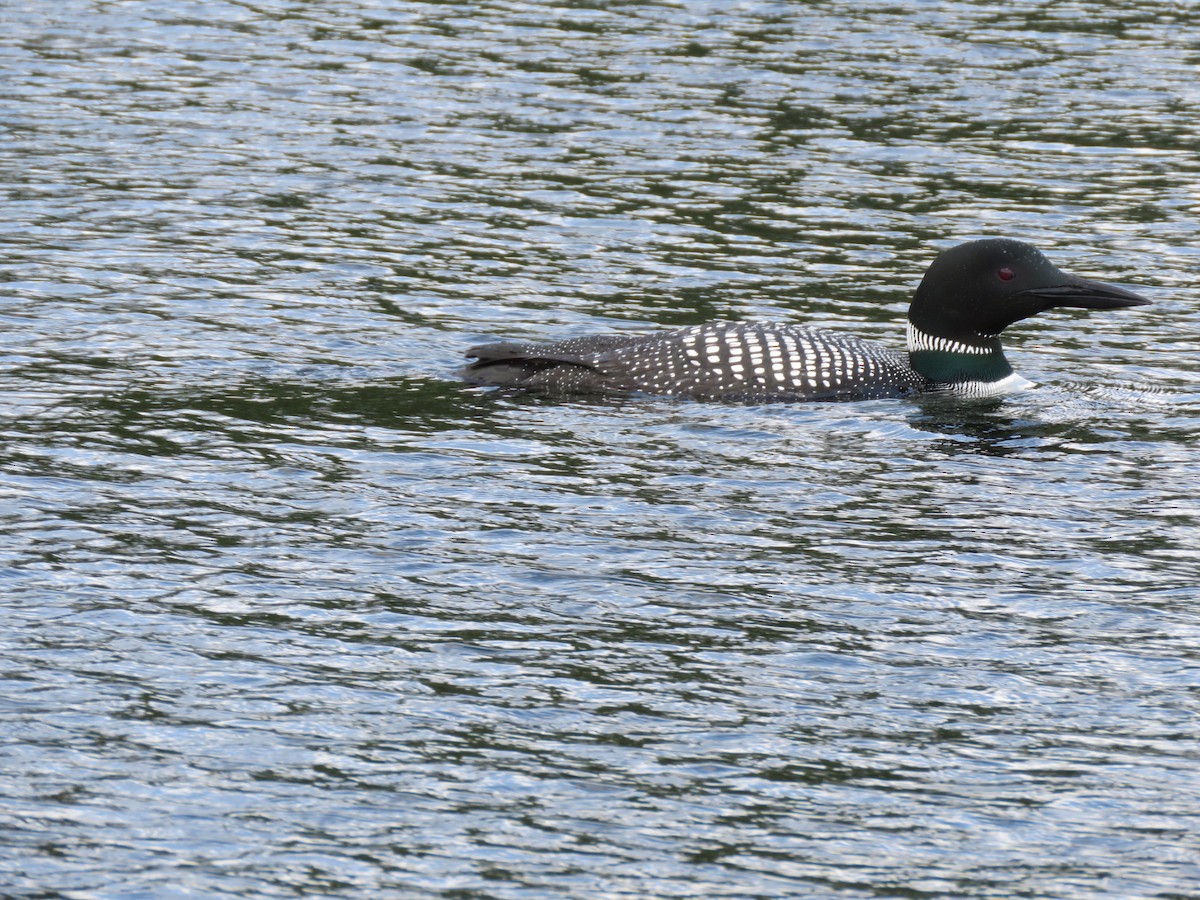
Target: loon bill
<point>968,296</point>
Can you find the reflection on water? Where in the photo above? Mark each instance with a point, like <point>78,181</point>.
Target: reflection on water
<point>290,610</point>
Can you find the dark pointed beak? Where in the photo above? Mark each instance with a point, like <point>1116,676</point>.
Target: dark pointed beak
<point>1084,294</point>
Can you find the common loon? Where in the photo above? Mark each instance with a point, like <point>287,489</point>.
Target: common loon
<point>968,296</point>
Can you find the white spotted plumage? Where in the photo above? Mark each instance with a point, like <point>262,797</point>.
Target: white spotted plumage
<point>721,360</point>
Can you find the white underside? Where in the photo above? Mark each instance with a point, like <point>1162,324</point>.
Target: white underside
<point>1007,385</point>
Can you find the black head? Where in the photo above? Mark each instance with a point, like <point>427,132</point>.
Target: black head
<point>980,288</point>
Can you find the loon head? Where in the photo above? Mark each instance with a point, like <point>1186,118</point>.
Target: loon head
<point>972,292</point>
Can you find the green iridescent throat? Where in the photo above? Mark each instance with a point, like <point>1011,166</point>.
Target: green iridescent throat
<point>947,367</point>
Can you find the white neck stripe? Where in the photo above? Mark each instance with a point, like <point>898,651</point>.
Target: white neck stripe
<point>919,340</point>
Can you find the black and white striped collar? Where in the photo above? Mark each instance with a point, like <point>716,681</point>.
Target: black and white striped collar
<point>919,341</point>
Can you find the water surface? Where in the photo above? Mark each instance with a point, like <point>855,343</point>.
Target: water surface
<point>290,611</point>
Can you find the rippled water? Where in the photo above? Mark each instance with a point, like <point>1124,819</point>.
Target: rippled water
<point>290,611</point>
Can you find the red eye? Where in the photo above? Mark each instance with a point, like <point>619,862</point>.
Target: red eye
<point>1004,273</point>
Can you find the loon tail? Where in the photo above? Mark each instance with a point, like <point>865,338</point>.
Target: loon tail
<point>510,364</point>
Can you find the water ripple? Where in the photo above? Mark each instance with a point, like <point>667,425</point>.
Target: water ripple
<point>291,611</point>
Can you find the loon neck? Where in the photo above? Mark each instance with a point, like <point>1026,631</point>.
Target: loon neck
<point>978,358</point>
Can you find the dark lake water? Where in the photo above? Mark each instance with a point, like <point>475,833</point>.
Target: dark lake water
<point>290,611</point>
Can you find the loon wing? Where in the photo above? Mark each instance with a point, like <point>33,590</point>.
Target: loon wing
<point>717,360</point>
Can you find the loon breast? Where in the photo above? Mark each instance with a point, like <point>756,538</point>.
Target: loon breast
<point>717,360</point>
